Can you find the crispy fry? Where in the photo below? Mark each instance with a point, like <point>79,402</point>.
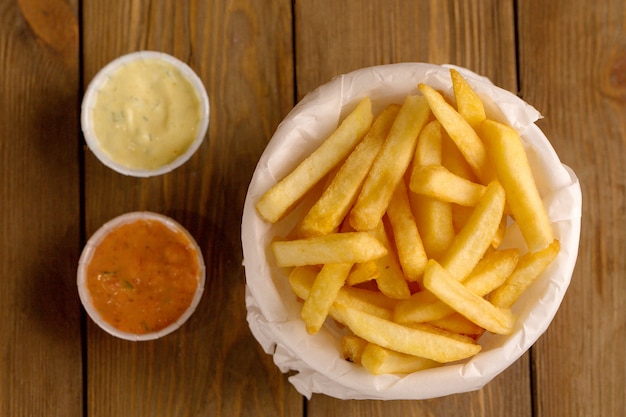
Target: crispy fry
<point>454,160</point>
<point>421,307</point>
<point>353,247</point>
<point>432,216</point>
<point>379,360</point>
<point>429,149</point>
<point>391,280</point>
<point>457,323</point>
<point>423,341</point>
<point>408,242</point>
<point>437,182</point>
<point>477,234</point>
<point>468,103</point>
<point>363,272</point>
<point>301,281</point>
<point>480,311</point>
<point>492,270</point>
<point>529,268</point>
<point>390,164</point>
<point>279,199</point>
<point>331,208</point>
<point>352,348</point>
<point>401,242</point>
<point>507,153</point>
<point>460,132</point>
<point>322,295</point>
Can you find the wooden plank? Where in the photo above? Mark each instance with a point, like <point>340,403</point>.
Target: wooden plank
<point>573,69</point>
<point>337,37</point>
<point>40,339</point>
<point>212,365</point>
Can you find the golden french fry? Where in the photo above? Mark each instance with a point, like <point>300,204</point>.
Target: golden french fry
<point>390,164</point>
<point>279,199</point>
<point>480,311</point>
<point>363,272</point>
<point>454,160</point>
<point>390,280</point>
<point>408,242</point>
<point>437,182</point>
<point>352,247</point>
<point>428,150</point>
<point>322,295</point>
<point>460,132</point>
<point>372,302</point>
<point>301,281</point>
<point>379,360</point>
<point>490,273</point>
<point>457,323</point>
<point>529,268</point>
<point>476,236</point>
<point>424,341</point>
<point>434,222</point>
<point>432,216</point>
<point>420,205</point>
<point>509,157</point>
<point>421,307</point>
<point>331,208</point>
<point>468,103</point>
<point>352,348</point>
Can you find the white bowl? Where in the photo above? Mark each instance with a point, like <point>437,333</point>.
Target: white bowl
<point>87,255</point>
<point>98,83</point>
<point>273,310</point>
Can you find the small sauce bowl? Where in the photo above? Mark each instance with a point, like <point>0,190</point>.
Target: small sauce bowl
<point>141,276</point>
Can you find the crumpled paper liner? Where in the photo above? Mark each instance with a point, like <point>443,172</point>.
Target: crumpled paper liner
<point>273,310</point>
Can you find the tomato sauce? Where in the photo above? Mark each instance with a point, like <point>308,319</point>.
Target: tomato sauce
<point>143,276</point>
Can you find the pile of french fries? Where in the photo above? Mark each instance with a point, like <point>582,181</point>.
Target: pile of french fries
<point>401,244</point>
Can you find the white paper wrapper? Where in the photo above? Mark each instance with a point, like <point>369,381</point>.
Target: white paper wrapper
<point>273,310</point>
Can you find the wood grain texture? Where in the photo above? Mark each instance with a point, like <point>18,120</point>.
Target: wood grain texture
<point>212,366</point>
<point>39,205</point>
<point>337,37</point>
<point>573,69</point>
<point>256,58</point>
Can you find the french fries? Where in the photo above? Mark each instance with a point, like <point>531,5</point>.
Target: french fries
<point>409,246</point>
<point>433,217</point>
<point>331,208</point>
<point>438,182</point>
<point>460,131</point>
<point>494,319</point>
<point>277,201</point>
<point>351,247</point>
<point>423,340</point>
<point>390,164</point>
<point>401,241</point>
<point>513,170</point>
<point>468,103</point>
<point>379,360</point>
<point>471,243</point>
<point>528,270</point>
<point>323,294</point>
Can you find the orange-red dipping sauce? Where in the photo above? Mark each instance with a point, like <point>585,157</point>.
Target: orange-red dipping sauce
<point>143,276</point>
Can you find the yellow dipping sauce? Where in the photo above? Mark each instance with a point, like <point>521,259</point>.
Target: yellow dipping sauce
<point>147,114</point>
<point>143,276</point>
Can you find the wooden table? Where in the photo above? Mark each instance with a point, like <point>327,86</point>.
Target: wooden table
<point>257,58</point>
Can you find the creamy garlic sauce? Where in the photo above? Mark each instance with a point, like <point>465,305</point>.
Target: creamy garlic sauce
<point>147,114</point>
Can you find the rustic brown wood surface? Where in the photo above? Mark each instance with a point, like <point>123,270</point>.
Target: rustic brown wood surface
<point>257,58</point>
